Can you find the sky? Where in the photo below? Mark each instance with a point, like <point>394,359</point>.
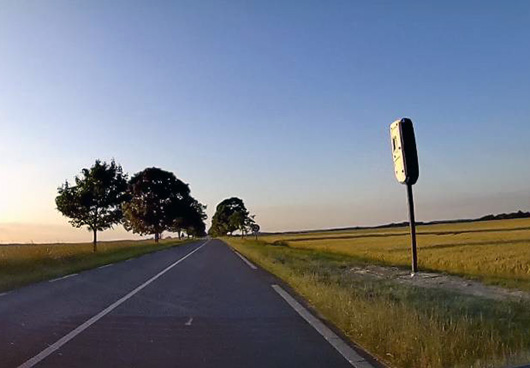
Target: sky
<point>285,104</point>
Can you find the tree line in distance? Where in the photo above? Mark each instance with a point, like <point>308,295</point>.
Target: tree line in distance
<point>150,202</point>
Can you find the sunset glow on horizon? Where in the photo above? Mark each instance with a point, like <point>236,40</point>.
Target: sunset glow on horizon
<point>285,105</point>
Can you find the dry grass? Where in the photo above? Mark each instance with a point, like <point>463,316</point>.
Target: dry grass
<point>24,264</point>
<point>496,252</point>
<point>402,325</point>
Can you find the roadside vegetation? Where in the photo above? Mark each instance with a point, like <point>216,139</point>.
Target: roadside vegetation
<point>494,252</point>
<point>402,325</point>
<point>231,215</point>
<point>151,202</point>
<point>24,264</point>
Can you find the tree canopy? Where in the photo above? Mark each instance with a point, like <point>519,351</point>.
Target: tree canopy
<point>191,220</point>
<point>96,198</point>
<point>160,202</point>
<point>231,215</point>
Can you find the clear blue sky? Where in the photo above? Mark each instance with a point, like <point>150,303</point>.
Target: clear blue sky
<point>283,103</point>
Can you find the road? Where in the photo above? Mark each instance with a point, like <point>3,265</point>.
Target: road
<point>196,305</point>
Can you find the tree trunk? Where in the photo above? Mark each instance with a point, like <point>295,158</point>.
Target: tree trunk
<point>95,230</point>
<point>95,241</point>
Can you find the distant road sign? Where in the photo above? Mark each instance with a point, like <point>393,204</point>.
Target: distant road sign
<point>404,152</point>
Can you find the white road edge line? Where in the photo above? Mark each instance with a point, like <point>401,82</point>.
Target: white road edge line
<point>2,294</point>
<point>63,340</point>
<point>344,349</point>
<point>105,266</point>
<point>189,322</point>
<point>64,277</point>
<point>250,264</point>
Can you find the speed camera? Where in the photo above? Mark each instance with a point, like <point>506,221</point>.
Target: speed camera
<point>404,151</point>
<point>407,171</point>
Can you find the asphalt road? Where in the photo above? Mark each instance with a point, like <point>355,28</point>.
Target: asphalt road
<point>197,305</point>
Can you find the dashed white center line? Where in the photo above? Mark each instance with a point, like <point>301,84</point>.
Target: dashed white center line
<point>250,264</point>
<point>64,277</point>
<point>189,322</point>
<point>63,340</point>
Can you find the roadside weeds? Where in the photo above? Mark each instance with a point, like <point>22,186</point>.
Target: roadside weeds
<point>21,265</point>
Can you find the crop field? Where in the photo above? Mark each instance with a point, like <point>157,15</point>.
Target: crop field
<point>22,264</point>
<point>495,252</point>
<point>402,324</point>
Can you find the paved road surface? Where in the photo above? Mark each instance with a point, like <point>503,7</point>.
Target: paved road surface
<point>208,310</point>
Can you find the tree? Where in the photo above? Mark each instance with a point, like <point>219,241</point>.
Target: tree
<point>96,198</point>
<point>237,221</point>
<point>194,221</point>
<point>190,218</point>
<point>248,224</point>
<point>157,200</point>
<point>230,215</point>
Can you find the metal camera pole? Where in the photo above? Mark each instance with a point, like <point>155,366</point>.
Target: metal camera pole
<point>412,223</point>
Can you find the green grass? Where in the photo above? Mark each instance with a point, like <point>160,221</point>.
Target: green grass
<point>24,264</point>
<point>403,326</point>
<point>495,252</point>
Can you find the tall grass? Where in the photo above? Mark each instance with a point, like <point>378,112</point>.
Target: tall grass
<point>496,252</point>
<point>402,325</point>
<point>24,264</point>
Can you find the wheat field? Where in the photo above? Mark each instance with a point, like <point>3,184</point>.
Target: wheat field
<point>496,252</point>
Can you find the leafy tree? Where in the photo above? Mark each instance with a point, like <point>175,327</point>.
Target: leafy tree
<point>158,199</point>
<point>248,224</point>
<point>96,198</point>
<point>230,215</point>
<point>237,221</point>
<point>190,218</point>
<point>195,225</point>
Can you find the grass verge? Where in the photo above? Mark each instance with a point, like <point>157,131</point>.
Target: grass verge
<point>25,264</point>
<point>402,325</point>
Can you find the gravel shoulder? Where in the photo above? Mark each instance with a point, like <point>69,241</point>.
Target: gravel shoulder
<point>441,281</point>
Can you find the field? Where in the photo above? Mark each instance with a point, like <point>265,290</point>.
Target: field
<point>495,252</point>
<point>405,325</point>
<point>23,264</point>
